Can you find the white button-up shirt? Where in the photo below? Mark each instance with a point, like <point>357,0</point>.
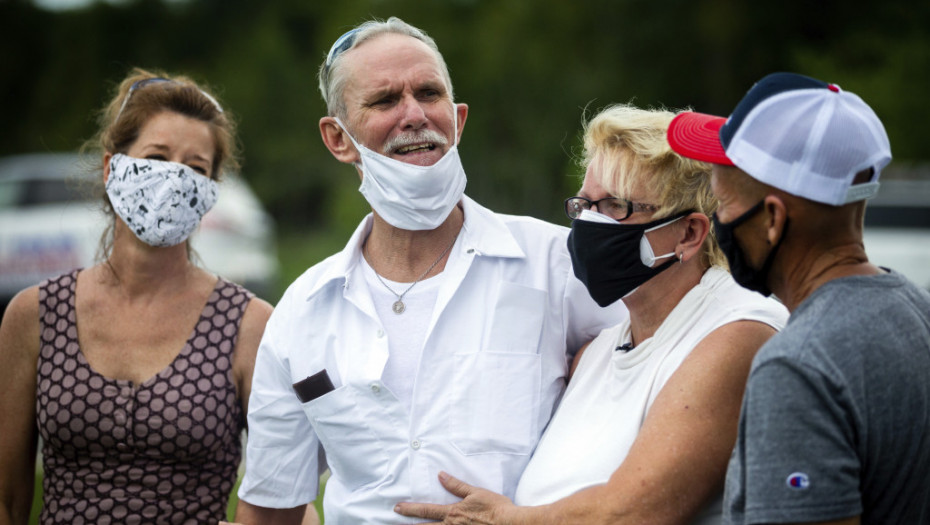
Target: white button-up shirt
<point>509,312</point>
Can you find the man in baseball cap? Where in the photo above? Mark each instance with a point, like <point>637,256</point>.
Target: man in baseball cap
<point>835,424</point>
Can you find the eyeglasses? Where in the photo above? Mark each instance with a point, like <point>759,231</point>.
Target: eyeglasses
<point>614,207</point>
<point>339,46</point>
<point>158,80</point>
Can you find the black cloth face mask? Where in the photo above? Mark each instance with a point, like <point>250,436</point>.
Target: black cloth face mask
<point>606,257</point>
<point>745,275</point>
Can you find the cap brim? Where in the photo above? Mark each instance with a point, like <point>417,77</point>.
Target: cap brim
<point>697,136</point>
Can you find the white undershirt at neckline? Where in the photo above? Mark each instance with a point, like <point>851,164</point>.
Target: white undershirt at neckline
<point>406,332</point>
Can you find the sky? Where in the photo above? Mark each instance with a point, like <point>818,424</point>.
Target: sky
<point>65,5</point>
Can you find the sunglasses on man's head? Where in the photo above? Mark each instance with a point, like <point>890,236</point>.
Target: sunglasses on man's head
<point>341,44</point>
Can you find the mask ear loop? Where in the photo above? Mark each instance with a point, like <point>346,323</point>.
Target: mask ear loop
<point>645,248</point>
<point>345,130</point>
<point>455,130</point>
<point>455,125</point>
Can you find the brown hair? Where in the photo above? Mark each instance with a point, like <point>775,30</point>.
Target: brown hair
<point>133,104</point>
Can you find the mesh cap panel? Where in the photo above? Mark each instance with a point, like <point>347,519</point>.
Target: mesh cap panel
<point>812,143</point>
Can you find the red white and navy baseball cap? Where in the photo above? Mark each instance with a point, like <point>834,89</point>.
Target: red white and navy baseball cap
<point>798,134</point>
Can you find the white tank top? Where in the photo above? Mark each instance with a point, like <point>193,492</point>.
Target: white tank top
<point>611,391</point>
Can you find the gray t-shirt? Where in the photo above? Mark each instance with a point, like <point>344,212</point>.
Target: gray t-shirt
<point>836,418</point>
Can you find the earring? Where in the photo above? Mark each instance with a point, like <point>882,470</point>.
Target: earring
<point>681,258</point>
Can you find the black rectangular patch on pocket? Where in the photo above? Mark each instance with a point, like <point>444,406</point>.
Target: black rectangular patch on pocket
<point>313,386</point>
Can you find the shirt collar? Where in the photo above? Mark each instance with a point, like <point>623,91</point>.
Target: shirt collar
<point>483,231</point>
<point>486,232</point>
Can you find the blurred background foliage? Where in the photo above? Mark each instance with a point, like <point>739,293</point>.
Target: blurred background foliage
<point>529,69</point>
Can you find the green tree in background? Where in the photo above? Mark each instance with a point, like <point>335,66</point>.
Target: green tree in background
<point>528,70</point>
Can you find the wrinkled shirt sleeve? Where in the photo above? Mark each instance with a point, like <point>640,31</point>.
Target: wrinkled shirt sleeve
<point>282,460</point>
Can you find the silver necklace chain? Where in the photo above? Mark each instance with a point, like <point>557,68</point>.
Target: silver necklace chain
<point>398,307</point>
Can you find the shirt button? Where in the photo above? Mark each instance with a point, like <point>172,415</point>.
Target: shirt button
<point>380,333</point>
<point>471,250</point>
<point>415,444</point>
<point>375,388</point>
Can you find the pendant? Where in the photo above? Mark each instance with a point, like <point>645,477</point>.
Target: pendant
<point>398,307</point>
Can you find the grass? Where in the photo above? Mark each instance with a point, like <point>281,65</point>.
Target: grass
<point>36,500</point>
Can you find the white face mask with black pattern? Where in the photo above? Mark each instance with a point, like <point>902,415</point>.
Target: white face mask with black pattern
<point>162,202</point>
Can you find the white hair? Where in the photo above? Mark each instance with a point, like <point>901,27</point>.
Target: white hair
<point>332,76</point>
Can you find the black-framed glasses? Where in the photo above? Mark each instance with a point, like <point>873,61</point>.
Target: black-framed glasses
<point>614,207</point>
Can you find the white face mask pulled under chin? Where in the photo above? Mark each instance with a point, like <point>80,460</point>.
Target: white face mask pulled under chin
<point>162,202</point>
<point>408,196</point>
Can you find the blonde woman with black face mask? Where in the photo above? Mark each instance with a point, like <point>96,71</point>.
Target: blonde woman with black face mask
<point>135,372</point>
<point>645,428</point>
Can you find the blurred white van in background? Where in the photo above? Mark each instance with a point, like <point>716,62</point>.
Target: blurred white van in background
<point>897,223</point>
<point>50,224</point>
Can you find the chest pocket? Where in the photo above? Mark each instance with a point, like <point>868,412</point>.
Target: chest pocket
<point>497,390</point>
<point>353,450</point>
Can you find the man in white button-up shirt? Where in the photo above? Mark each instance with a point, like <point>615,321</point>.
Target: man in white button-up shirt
<point>437,339</point>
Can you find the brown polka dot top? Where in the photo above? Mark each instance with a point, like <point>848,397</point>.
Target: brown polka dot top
<point>166,451</point>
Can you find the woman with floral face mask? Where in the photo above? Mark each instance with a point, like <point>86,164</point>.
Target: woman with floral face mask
<point>135,372</point>
<point>645,428</point>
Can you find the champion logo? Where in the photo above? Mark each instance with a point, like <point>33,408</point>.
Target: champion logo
<point>798,481</point>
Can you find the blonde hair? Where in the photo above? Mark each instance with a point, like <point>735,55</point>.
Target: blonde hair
<point>627,146</point>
